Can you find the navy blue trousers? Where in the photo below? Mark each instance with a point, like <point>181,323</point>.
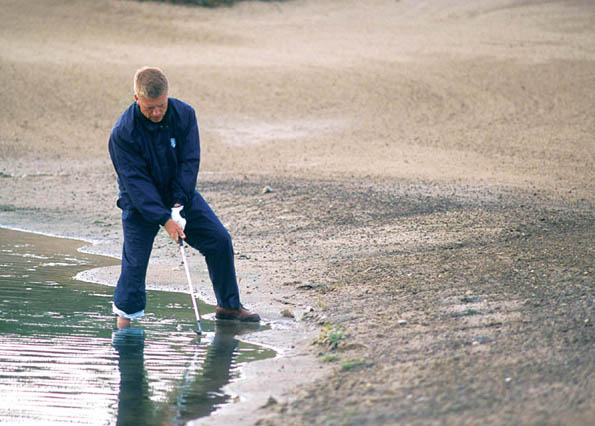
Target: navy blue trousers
<point>204,232</point>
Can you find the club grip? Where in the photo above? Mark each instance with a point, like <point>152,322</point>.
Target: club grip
<point>180,241</point>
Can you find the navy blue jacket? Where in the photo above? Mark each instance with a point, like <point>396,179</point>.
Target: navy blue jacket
<point>157,163</point>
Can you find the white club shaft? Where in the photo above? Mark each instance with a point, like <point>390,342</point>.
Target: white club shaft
<point>191,287</point>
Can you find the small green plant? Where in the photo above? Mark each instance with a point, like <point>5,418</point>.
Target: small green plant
<point>331,337</point>
<point>350,365</point>
<point>328,357</point>
<point>321,303</point>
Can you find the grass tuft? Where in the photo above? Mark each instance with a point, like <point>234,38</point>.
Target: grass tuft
<point>353,364</point>
<point>331,337</point>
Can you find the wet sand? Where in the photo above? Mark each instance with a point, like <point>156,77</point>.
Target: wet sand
<point>431,167</point>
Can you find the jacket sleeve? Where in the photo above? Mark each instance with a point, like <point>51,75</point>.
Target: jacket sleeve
<point>136,180</point>
<point>184,183</point>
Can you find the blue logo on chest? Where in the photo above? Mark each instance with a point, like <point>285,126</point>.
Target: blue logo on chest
<point>172,142</point>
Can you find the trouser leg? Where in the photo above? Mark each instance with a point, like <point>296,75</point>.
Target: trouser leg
<point>130,296</point>
<point>205,232</point>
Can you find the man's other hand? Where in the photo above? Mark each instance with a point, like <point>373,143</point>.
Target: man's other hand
<point>174,230</point>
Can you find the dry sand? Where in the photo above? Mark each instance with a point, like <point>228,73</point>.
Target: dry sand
<point>431,220</point>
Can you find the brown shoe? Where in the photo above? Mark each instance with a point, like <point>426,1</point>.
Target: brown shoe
<point>240,314</point>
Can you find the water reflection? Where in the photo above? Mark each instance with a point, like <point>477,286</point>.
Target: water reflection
<point>133,394</point>
<point>199,391</point>
<point>61,362</point>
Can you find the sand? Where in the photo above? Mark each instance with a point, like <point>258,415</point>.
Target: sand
<point>431,167</point>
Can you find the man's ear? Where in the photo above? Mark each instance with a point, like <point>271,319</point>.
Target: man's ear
<point>135,98</point>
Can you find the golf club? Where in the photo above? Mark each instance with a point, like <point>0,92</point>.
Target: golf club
<point>190,286</point>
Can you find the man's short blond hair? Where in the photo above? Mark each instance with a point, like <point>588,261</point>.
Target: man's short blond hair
<point>150,82</point>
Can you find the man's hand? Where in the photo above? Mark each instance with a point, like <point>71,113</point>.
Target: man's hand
<point>176,215</point>
<point>174,230</point>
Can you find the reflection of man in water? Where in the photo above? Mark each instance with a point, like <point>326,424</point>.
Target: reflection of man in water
<point>188,399</point>
<point>202,395</point>
<point>134,405</point>
<point>155,150</point>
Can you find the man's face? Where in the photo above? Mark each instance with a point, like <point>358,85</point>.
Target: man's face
<point>152,108</point>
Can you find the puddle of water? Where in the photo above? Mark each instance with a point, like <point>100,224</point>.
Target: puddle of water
<point>61,361</point>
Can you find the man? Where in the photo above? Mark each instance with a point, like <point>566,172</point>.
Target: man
<point>155,150</point>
